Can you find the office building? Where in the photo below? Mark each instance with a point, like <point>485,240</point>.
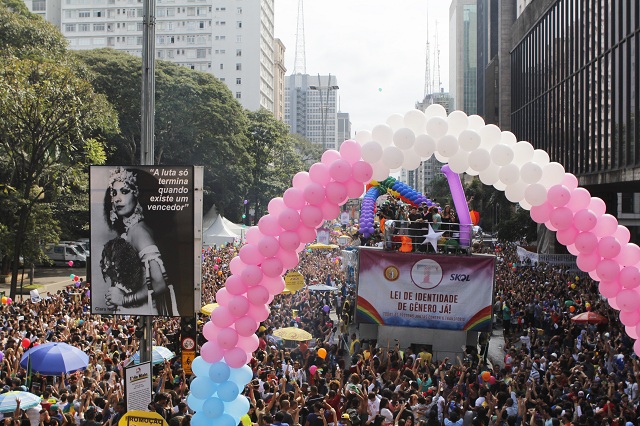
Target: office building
<point>279,72</point>
<point>344,127</point>
<point>463,54</point>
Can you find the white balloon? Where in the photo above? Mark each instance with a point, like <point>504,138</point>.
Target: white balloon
<point>476,122</point>
<point>525,205</point>
<point>490,135</point>
<point>424,146</point>
<point>416,121</point>
<point>363,136</point>
<point>380,171</point>
<point>541,157</point>
<point>395,121</point>
<point>501,154</point>
<point>535,194</point>
<point>522,153</point>
<point>508,138</point>
<point>500,186</point>
<point>435,110</point>
<point>472,172</point>
<point>383,134</point>
<point>552,174</point>
<point>469,140</point>
<point>480,160</point>
<point>371,152</point>
<point>490,176</point>
<point>509,174</point>
<point>459,163</point>
<point>530,172</point>
<point>440,158</point>
<point>392,157</point>
<point>447,146</point>
<point>458,121</point>
<point>437,127</point>
<point>404,138</point>
<point>515,191</point>
<point>411,160</point>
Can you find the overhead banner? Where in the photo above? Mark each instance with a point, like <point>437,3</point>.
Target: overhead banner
<point>426,291</point>
<point>142,240</point>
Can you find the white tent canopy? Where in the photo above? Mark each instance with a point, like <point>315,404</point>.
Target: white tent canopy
<point>219,230</point>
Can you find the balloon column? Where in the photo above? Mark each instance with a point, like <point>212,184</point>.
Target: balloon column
<point>272,247</point>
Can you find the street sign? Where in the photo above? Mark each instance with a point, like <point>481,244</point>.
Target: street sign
<point>142,418</point>
<point>187,360</point>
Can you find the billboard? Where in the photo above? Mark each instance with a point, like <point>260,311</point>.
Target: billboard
<point>427,291</point>
<point>142,240</point>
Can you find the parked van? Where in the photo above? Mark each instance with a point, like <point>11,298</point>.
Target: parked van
<point>81,246</point>
<point>62,254</point>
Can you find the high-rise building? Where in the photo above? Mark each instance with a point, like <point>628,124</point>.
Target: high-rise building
<point>279,71</point>
<point>311,108</point>
<point>463,54</point>
<point>232,39</point>
<point>344,127</point>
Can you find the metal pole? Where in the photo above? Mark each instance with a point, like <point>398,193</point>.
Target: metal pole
<point>147,130</point>
<point>322,117</point>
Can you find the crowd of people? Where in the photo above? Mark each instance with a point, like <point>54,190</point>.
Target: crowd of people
<point>554,371</point>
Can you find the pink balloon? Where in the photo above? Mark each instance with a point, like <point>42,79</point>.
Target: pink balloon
<point>594,275</point>
<point>319,173</point>
<point>606,225</point>
<point>541,213</point>
<point>336,192</point>
<point>588,261</point>
<point>251,275</point>
<point>558,195</point>
<point>629,255</point>
<point>492,380</point>
<point>289,240</point>
<point>567,236</point>
<point>289,219</point>
<point>314,194</point>
<point>236,265</point>
<point>276,205</point>
<point>311,216</point>
<point>329,156</point>
<point>227,338</point>
<point>354,189</point>
<point>636,347</point>
<point>586,242</point>
<point>608,247</point>
<point>629,277</point>
<point>580,199</point>
<point>221,317</point>
<point>622,234</point>
<point>235,285</point>
<point>549,226</point>
<point>628,299</point>
<point>253,235</point>
<point>571,248</point>
<point>629,318</point>
<point>250,254</point>
<point>340,170</point>
<point>246,326</point>
<point>609,289</point>
<point>249,343</point>
<point>294,198</point>
<point>211,352</point>
<point>350,150</point>
<point>362,171</point>
<point>631,332</point>
<point>258,295</point>
<point>238,306</point>
<point>613,302</point>
<point>268,225</point>
<point>301,180</point>
<point>210,330</point>
<point>301,247</point>
<point>570,181</point>
<point>289,259</point>
<point>259,312</point>
<point>268,245</point>
<point>307,234</point>
<point>561,218</point>
<point>608,270</point>
<point>330,211</point>
<point>235,357</point>
<point>275,285</point>
<point>585,220</point>
<point>597,206</point>
<point>223,297</point>
<point>272,267</point>
<point>313,369</point>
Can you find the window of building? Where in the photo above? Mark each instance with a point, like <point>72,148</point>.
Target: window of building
<point>70,28</point>
<point>238,67</point>
<point>99,41</point>
<point>39,5</point>
<point>191,39</point>
<point>84,14</point>
<point>191,11</point>
<point>140,26</point>
<point>131,13</point>
<point>239,11</point>
<point>221,66</point>
<point>238,95</point>
<point>139,41</point>
<point>239,24</point>
<point>201,25</point>
<point>202,11</point>
<point>160,39</point>
<point>202,53</point>
<point>68,14</point>
<point>238,80</point>
<point>171,11</point>
<point>84,28</point>
<point>238,52</point>
<point>98,27</point>
<point>627,202</point>
<point>98,13</point>
<point>238,39</point>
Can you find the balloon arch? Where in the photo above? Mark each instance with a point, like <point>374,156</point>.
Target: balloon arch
<point>466,144</point>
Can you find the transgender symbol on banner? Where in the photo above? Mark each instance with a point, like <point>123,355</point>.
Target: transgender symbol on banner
<point>466,144</point>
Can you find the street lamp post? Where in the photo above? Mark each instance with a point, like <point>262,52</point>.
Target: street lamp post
<point>323,108</point>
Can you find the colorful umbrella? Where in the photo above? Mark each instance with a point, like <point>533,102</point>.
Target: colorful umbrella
<point>8,402</point>
<point>589,318</point>
<point>207,309</point>
<point>54,358</point>
<point>292,333</point>
<point>159,354</point>
<point>320,246</point>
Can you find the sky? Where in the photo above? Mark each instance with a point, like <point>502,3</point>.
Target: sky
<point>375,48</point>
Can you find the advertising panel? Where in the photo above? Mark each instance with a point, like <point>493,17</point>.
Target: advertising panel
<point>427,291</point>
<point>137,386</point>
<point>142,240</point>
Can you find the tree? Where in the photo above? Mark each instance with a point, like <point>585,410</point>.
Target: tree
<point>309,153</point>
<point>49,118</point>
<point>518,227</point>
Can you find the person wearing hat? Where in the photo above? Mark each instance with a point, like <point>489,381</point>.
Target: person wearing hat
<point>345,420</point>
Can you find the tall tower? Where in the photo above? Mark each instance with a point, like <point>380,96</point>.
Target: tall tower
<point>428,82</point>
<point>300,63</point>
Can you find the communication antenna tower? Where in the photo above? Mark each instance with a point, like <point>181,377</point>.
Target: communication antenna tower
<point>428,82</point>
<point>437,60</point>
<point>300,64</point>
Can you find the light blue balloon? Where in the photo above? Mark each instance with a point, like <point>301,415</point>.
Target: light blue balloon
<point>241,376</point>
<point>225,420</point>
<point>238,407</point>
<point>219,372</point>
<point>194,403</point>
<point>228,391</point>
<point>200,367</point>
<point>213,407</point>
<point>199,419</point>
<point>202,387</point>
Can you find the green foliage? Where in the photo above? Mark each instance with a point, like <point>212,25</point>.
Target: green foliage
<point>518,228</point>
<point>308,152</point>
